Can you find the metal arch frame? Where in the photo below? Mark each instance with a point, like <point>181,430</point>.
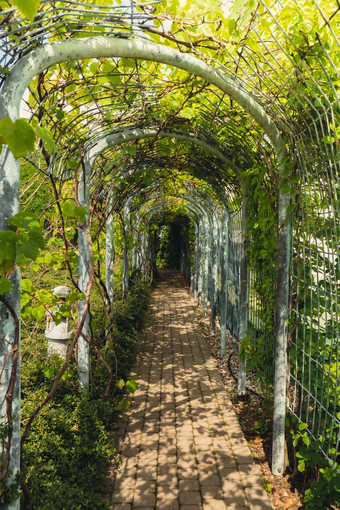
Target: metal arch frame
<point>159,207</point>
<point>127,135</point>
<point>209,214</point>
<point>213,268</point>
<point>199,221</point>
<point>49,54</point>
<point>222,263</point>
<point>84,199</point>
<point>160,195</point>
<point>132,134</point>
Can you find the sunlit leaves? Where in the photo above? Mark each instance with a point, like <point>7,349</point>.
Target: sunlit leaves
<point>18,135</point>
<point>28,8</point>
<point>46,137</point>
<point>72,210</point>
<point>5,285</point>
<point>21,246</point>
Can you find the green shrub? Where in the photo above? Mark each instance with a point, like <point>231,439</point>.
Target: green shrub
<point>66,454</point>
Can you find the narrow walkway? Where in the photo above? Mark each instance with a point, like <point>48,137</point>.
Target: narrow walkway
<point>182,446</point>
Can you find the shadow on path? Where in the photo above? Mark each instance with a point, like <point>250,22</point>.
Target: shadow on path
<point>181,443</point>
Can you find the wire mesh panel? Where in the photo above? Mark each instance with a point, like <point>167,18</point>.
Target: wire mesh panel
<point>314,345</point>
<point>233,283</point>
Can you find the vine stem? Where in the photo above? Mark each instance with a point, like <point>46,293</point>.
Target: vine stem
<point>65,364</point>
<point>11,385</point>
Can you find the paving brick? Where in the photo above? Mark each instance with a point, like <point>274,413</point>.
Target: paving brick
<point>258,498</point>
<point>183,446</point>
<point>189,485</point>
<point>167,504</point>
<point>190,498</point>
<point>122,496</point>
<point>143,499</point>
<point>214,504</point>
<point>167,492</point>
<point>211,492</point>
<point>209,479</point>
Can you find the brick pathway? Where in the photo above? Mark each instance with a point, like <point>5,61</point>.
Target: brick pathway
<point>182,446</point>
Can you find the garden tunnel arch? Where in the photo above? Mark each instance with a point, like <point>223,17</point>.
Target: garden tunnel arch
<point>263,119</point>
<point>50,54</point>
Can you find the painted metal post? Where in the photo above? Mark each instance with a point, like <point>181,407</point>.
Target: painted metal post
<point>214,270</point>
<point>200,252</point>
<point>84,275</point>
<point>134,261</point>
<point>196,262</point>
<point>126,219</point>
<point>224,281</point>
<point>205,267</point>
<point>10,330</point>
<point>109,249</point>
<point>282,314</point>
<point>244,294</point>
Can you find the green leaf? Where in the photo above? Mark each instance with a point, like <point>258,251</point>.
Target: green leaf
<point>28,8</point>
<point>18,135</point>
<point>26,285</point>
<point>127,63</point>
<point>115,78</point>
<point>306,439</point>
<point>46,137</point>
<point>24,221</point>
<point>37,239</point>
<point>28,247</point>
<point>122,406</point>
<point>72,163</point>
<point>120,384</point>
<point>132,385</point>
<point>8,240</point>
<point>5,285</point>
<point>49,372</point>
<point>301,466</point>
<point>38,313</point>
<point>24,300</point>
<point>187,113</point>
<point>60,114</point>
<point>69,208</point>
<point>130,149</point>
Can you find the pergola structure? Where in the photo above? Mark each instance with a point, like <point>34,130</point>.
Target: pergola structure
<point>238,110</point>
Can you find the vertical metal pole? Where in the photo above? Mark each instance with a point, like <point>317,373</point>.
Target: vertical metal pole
<point>9,353</point>
<point>214,249</point>
<point>282,314</point>
<point>109,250</point>
<point>205,268</point>
<point>126,218</point>
<point>244,294</point>
<point>134,261</point>
<point>84,275</point>
<point>224,281</point>
<point>195,273</point>
<point>200,262</point>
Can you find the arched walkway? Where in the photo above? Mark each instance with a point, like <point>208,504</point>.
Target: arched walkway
<point>181,444</point>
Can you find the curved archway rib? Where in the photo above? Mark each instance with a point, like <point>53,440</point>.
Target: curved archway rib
<point>129,135</point>
<point>53,53</point>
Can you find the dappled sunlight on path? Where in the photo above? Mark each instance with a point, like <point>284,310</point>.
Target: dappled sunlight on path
<point>182,446</point>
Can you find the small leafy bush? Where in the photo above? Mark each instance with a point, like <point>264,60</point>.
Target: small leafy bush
<point>322,480</point>
<point>66,455</point>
